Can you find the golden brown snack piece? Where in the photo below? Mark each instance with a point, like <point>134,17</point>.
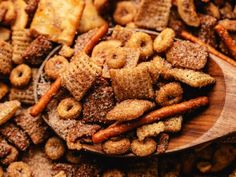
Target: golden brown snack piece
<point>132,83</point>
<point>79,75</point>
<point>152,117</point>
<point>18,169</point>
<point>99,101</point>
<point>150,130</point>
<point>54,66</point>
<point>68,169</point>
<point>115,147</point>
<point>5,57</point>
<point>164,40</point>
<point>8,110</point>
<point>169,94</point>
<point>113,173</point>
<point>187,12</point>
<point>66,51</point>
<point>12,157</point>
<point>69,108</point>
<point>143,148</point>
<point>153,14</point>
<point>15,136</point>
<point>121,34</point>
<point>54,148</point>
<point>129,110</point>
<point>31,7</point>
<point>55,12</point>
<point>116,59</point>
<point>20,41</point>
<point>21,75</point>
<point>192,78</point>
<point>5,148</point>
<point>159,66</point>
<point>204,166</point>
<point>3,90</point>
<point>228,24</point>
<point>35,127</point>
<point>143,42</point>
<point>173,124</point>
<point>212,10</point>
<point>226,11</point>
<point>163,142</point>
<point>125,12</point>
<point>5,34</point>
<point>187,55</point>
<point>21,17</point>
<point>227,39</point>
<point>36,52</point>
<point>8,12</point>
<point>60,174</point>
<point>90,18</point>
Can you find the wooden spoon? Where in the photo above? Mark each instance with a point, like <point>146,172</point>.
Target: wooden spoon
<point>218,120</point>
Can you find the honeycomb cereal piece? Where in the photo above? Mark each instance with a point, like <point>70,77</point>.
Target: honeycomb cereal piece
<point>192,78</point>
<point>187,55</point>
<point>21,75</point>
<point>143,148</point>
<point>150,130</point>
<point>54,148</point>
<point>54,66</point>
<point>12,157</point>
<point>99,101</point>
<point>66,51</point>
<point>3,90</point>
<point>5,57</point>
<point>153,14</point>
<point>79,75</point>
<point>18,169</point>
<point>35,127</point>
<point>129,110</point>
<point>121,34</point>
<point>132,83</point>
<point>125,12</point>
<point>20,41</point>
<point>173,124</point>
<point>115,147</point>
<point>15,136</point>
<point>8,110</point>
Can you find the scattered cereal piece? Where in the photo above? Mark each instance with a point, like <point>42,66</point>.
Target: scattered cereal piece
<point>129,110</point>
<point>21,15</point>
<point>5,148</point>
<point>54,148</point>
<point>162,145</point>
<point>18,169</point>
<point>113,173</point>
<point>150,130</point>
<point>187,55</point>
<point>121,34</point>
<point>9,12</point>
<point>5,34</point>
<point>115,147</point>
<point>3,90</point>
<point>143,148</point>
<point>8,110</point>
<point>12,157</point>
<point>5,57</point>
<point>132,83</point>
<point>212,10</point>
<point>173,124</point>
<point>68,169</point>
<point>88,169</point>
<point>153,14</point>
<point>230,25</point>
<point>66,51</point>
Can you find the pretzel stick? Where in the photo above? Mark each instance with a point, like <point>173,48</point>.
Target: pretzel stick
<point>229,42</point>
<point>53,90</point>
<point>212,50</point>
<point>154,116</point>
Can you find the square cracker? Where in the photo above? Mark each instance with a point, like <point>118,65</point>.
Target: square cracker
<point>57,19</point>
<point>153,14</point>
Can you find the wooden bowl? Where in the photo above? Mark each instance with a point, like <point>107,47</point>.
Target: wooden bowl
<point>218,120</point>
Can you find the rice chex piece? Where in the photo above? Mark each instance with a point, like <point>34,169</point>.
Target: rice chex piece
<point>132,83</point>
<point>173,124</point>
<point>5,57</point>
<point>35,127</point>
<point>79,75</point>
<point>192,78</point>
<point>153,14</point>
<point>15,136</point>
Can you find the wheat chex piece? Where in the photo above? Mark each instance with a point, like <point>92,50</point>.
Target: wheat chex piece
<point>173,124</point>
<point>20,41</point>
<point>79,75</point>
<point>132,83</point>
<point>8,110</point>
<point>5,57</point>
<point>129,110</point>
<point>4,148</point>
<point>150,130</point>
<point>192,78</point>
<point>99,101</point>
<point>187,55</point>
<point>35,127</point>
<point>153,14</point>
<point>15,136</point>
<point>121,34</point>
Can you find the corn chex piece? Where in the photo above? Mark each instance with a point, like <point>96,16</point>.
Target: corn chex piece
<point>132,83</point>
<point>20,41</point>
<point>79,75</point>
<point>153,14</point>
<point>5,57</point>
<point>8,110</point>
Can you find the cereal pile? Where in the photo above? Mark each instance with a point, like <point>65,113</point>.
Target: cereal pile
<point>121,90</point>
